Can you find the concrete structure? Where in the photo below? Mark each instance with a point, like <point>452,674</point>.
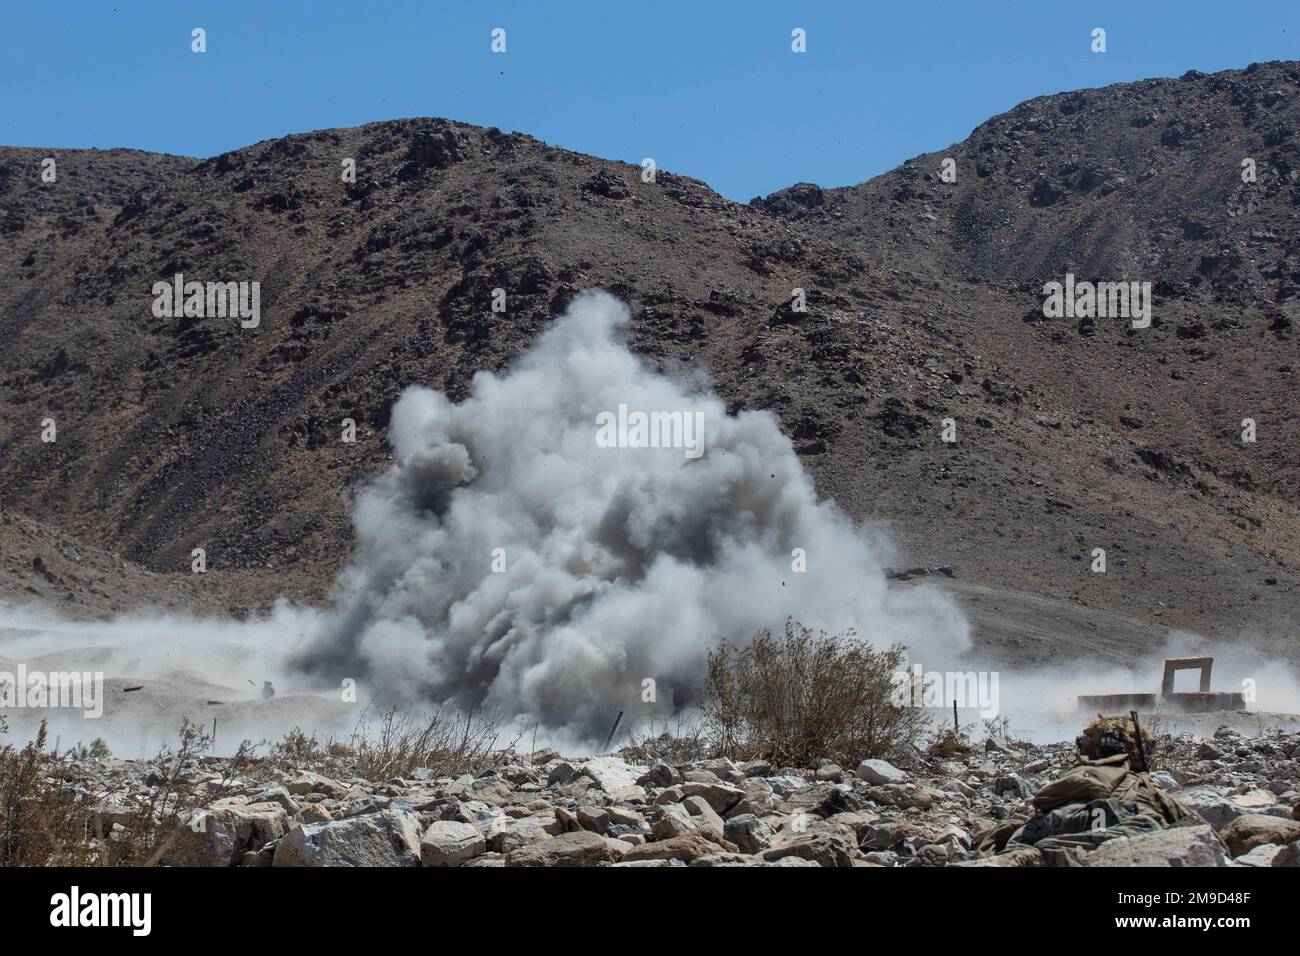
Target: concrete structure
<point>1175,664</point>
<point>1194,702</point>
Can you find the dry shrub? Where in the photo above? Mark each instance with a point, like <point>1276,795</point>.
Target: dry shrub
<point>45,822</point>
<point>298,751</point>
<point>677,742</point>
<point>948,743</point>
<point>40,822</point>
<point>807,695</point>
<point>444,744</point>
<point>391,745</point>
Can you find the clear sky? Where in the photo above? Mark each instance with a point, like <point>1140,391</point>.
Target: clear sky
<point>708,88</point>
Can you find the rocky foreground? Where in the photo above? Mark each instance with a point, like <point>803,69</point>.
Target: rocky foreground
<point>546,810</point>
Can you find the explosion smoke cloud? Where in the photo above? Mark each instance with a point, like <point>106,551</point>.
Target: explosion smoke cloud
<point>619,564</point>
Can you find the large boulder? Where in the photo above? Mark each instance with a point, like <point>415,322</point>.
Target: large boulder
<point>1212,806</point>
<point>673,820</point>
<point>315,783</point>
<point>686,847</point>
<point>660,775</point>
<point>230,828</point>
<point>1257,829</point>
<point>822,847</point>
<point>880,772</point>
<point>449,843</point>
<point>387,838</point>
<point>505,834</point>
<point>580,848</point>
<point>612,774</point>
<point>720,796</point>
<point>1260,856</point>
<point>1183,846</point>
<point>703,814</point>
<point>749,833</point>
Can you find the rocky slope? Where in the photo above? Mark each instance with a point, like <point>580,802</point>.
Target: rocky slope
<point>543,810</point>
<point>1134,181</point>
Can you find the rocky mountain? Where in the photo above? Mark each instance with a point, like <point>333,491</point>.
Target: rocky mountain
<point>1142,180</point>
<point>924,303</point>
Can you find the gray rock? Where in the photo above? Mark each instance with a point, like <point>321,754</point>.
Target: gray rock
<point>703,814</point>
<point>785,784</point>
<point>1288,856</point>
<point>720,796</point>
<point>903,797</point>
<point>1262,855</point>
<point>956,786</point>
<point>447,843</point>
<point>821,847</point>
<point>562,772</point>
<point>749,833</point>
<point>387,838</point>
<point>1209,751</point>
<point>660,775</point>
<point>506,834</point>
<point>595,819</point>
<point>1183,846</point>
<point>228,830</point>
<point>673,820</point>
<point>880,772</point>
<point>315,783</point>
<point>581,848</point>
<point>1012,785</point>
<point>830,772</point>
<point>700,776</point>
<point>611,774</point>
<point>626,817</point>
<point>1213,807</point>
<point>1164,780</point>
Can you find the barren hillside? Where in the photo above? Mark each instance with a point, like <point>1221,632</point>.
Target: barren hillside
<point>924,303</point>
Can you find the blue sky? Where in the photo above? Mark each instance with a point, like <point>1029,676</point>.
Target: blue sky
<point>708,88</point>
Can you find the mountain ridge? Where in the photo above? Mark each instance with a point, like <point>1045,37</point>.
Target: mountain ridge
<point>175,434</point>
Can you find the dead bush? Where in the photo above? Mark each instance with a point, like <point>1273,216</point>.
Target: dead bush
<point>948,743</point>
<point>45,821</point>
<point>807,695</point>
<point>446,744</point>
<point>675,742</point>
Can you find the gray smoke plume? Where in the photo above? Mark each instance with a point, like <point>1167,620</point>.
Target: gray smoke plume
<point>616,565</point>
